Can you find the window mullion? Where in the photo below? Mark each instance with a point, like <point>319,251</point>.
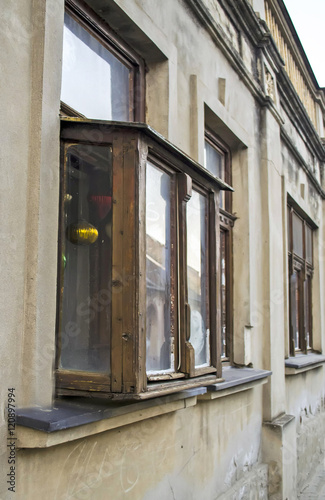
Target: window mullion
<point>186,351</point>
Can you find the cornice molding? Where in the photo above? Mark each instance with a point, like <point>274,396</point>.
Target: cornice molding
<point>291,38</point>
<point>298,115</point>
<point>257,31</point>
<point>289,143</point>
<point>220,39</point>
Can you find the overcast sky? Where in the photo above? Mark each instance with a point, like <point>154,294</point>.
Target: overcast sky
<point>308,17</point>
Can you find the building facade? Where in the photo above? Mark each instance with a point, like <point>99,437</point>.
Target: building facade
<point>162,249</point>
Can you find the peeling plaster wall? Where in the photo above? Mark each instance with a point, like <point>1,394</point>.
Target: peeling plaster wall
<point>307,403</point>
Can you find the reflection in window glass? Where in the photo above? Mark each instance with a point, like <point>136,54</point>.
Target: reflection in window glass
<point>297,232</point>
<point>294,302</point>
<point>214,161</point>
<point>307,304</point>
<point>288,229</point>
<point>223,293</point>
<point>197,276</point>
<point>158,264</point>
<point>309,245</point>
<point>94,82</point>
<point>85,317</point>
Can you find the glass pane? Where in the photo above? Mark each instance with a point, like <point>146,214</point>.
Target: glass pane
<point>309,245</point>
<point>288,229</point>
<point>294,303</point>
<point>86,259</point>
<point>307,306</point>
<point>214,161</point>
<point>297,232</point>
<point>223,266</point>
<point>94,82</point>
<point>197,276</point>
<point>158,274</point>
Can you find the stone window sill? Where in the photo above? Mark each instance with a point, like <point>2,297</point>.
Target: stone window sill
<point>236,380</point>
<point>75,418</point>
<point>303,362</point>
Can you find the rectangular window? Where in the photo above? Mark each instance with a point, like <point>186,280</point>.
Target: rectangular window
<point>101,77</point>
<point>217,161</point>
<point>198,276</point>
<point>300,250</point>
<point>85,316</point>
<point>160,200</point>
<point>224,266</point>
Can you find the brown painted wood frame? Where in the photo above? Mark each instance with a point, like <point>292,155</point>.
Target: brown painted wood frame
<point>212,247</point>
<point>124,361</point>
<point>221,147</point>
<point>131,145</point>
<point>227,220</point>
<point>92,23</point>
<point>304,271</point>
<point>170,170</point>
<point>226,225</point>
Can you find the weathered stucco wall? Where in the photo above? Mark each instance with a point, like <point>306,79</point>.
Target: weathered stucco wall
<point>305,401</point>
<point>217,448</point>
<point>198,452</point>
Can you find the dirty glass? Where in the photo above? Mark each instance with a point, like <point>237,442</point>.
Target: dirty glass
<point>297,233</point>
<point>197,276</point>
<point>294,304</point>
<point>223,292</point>
<point>288,229</point>
<point>85,313</point>
<point>309,245</point>
<point>94,82</point>
<point>158,269</point>
<point>214,161</point>
<point>307,315</point>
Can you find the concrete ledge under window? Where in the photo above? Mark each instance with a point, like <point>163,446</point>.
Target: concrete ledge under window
<point>303,362</point>
<point>236,380</point>
<point>280,422</point>
<point>75,418</point>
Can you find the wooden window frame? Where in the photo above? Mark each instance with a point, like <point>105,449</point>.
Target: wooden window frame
<point>132,146</point>
<point>226,220</point>
<point>97,28</point>
<point>304,270</point>
<point>164,166</point>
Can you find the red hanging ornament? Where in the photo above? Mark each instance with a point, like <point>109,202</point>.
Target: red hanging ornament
<point>102,203</point>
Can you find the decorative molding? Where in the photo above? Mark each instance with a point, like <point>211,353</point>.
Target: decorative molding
<point>288,141</point>
<point>291,66</point>
<point>269,84</point>
<point>258,33</point>
<point>298,115</point>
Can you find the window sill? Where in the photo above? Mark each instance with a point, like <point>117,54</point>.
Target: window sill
<point>303,362</point>
<point>76,418</point>
<point>236,380</point>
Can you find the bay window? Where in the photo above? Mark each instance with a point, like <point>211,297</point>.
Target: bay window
<point>139,277</point>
